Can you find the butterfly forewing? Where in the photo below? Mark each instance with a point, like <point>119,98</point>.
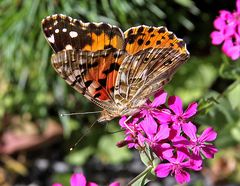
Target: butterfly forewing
<point>144,37</point>
<point>63,32</point>
<point>156,55</point>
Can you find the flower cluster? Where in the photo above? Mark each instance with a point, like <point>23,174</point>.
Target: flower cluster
<point>227,27</point>
<point>78,179</point>
<point>169,132</point>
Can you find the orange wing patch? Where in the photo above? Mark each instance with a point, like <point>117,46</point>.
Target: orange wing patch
<point>90,73</point>
<point>103,36</point>
<point>63,32</point>
<point>102,69</point>
<point>143,37</point>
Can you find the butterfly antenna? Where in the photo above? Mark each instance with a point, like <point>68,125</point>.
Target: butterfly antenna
<point>80,139</point>
<point>79,113</point>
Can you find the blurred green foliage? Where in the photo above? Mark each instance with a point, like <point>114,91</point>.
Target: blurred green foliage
<point>28,84</point>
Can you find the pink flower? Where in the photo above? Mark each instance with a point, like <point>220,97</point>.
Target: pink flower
<point>78,179</point>
<point>154,109</point>
<point>181,117</point>
<point>177,166</point>
<point>167,132</point>
<point>200,144</point>
<point>132,131</point>
<point>227,27</point>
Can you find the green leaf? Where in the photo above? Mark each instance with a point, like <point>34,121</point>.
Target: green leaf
<point>79,157</point>
<point>236,131</point>
<point>186,3</point>
<point>146,155</point>
<point>108,152</point>
<point>234,95</point>
<point>191,83</point>
<point>229,69</point>
<point>143,180</point>
<point>61,178</point>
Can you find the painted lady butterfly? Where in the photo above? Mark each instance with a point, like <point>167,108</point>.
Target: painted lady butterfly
<point>117,71</point>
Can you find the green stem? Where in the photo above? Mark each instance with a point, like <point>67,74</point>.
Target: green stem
<point>140,175</point>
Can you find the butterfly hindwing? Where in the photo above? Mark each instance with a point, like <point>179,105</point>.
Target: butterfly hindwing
<point>87,55</point>
<point>82,71</point>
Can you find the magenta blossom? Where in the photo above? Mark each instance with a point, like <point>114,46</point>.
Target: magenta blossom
<point>178,167</point>
<point>179,116</point>
<point>78,179</point>
<point>156,108</point>
<point>166,133</point>
<point>227,27</point>
<point>200,144</point>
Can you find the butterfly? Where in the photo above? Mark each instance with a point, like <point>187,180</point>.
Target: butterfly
<point>117,71</point>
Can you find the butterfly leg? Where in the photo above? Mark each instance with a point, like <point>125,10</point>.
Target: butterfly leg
<point>125,123</point>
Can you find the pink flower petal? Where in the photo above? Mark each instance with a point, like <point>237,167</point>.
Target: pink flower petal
<point>121,121</point>
<point>163,170</point>
<point>57,184</point>
<point>163,133</point>
<point>91,184</point>
<point>234,52</point>
<point>195,163</point>
<point>164,116</point>
<point>190,130</point>
<point>217,37</point>
<point>78,179</point>
<point>238,30</point>
<point>175,131</point>
<point>180,141</point>
<point>209,150</point>
<point>149,125</point>
<point>175,104</point>
<point>208,135</point>
<point>226,15</point>
<point>227,45</point>
<point>230,29</point>
<point>238,5</point>
<point>191,110</point>
<point>160,98</point>
<point>115,184</point>
<point>182,177</point>
<point>181,156</point>
<point>219,23</point>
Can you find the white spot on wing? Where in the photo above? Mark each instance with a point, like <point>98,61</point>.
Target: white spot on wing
<point>51,39</point>
<point>68,47</point>
<point>64,30</point>
<point>57,30</point>
<point>73,34</point>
